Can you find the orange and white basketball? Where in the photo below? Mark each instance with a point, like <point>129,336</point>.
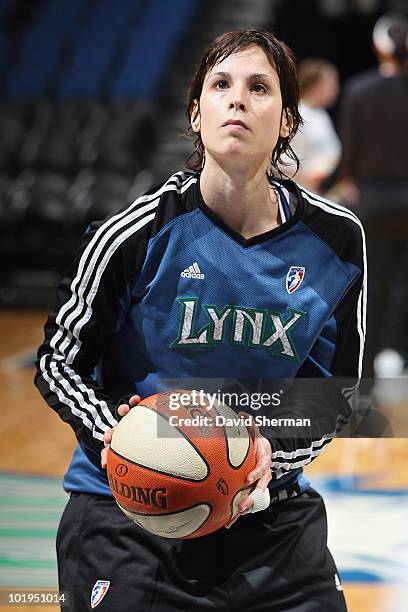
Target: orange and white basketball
<point>180,472</point>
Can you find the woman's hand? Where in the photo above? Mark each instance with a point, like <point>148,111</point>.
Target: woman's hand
<point>107,437</point>
<point>261,473</point>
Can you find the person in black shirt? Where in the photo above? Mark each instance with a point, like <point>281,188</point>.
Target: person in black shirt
<point>374,170</point>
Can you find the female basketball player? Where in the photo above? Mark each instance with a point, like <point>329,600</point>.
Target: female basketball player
<point>283,272</point>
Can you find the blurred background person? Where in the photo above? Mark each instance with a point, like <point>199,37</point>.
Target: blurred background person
<point>374,172</point>
<point>317,144</point>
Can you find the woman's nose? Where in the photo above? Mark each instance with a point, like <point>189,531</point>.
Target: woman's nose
<point>237,105</point>
<point>237,100</point>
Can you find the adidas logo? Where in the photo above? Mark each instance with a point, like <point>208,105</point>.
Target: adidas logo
<point>192,272</point>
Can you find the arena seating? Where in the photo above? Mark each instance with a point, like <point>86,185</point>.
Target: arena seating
<point>80,85</point>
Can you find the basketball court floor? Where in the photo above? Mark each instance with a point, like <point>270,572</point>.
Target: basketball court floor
<point>364,483</point>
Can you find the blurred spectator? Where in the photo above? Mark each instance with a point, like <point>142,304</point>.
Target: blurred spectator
<point>316,144</point>
<point>374,171</point>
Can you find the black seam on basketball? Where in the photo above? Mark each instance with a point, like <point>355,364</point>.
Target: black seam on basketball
<point>147,467</point>
<point>250,489</point>
<point>171,513</point>
<point>184,436</point>
<point>234,467</point>
<point>204,503</point>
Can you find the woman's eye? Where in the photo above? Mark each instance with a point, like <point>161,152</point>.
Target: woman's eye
<point>258,88</point>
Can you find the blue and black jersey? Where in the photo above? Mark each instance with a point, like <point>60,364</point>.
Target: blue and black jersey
<point>164,290</point>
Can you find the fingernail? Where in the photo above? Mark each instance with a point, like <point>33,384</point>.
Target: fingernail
<point>250,479</point>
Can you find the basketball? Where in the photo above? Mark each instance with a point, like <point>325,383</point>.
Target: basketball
<point>178,468</point>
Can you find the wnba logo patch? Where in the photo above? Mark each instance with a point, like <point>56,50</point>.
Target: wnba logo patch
<point>294,278</point>
<point>99,591</point>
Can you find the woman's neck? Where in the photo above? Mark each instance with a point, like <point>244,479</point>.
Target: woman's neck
<point>243,199</point>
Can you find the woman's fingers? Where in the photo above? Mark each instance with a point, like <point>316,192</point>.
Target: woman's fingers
<point>261,474</point>
<point>123,409</point>
<point>263,452</point>
<point>107,436</point>
<point>134,400</point>
<point>264,480</point>
<point>260,500</point>
<point>104,457</point>
<point>232,521</point>
<point>245,504</point>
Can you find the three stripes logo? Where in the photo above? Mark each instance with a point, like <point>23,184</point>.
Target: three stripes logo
<point>192,271</point>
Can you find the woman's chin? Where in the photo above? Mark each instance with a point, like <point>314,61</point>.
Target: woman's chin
<point>239,156</point>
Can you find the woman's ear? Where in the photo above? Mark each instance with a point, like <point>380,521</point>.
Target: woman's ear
<point>195,117</point>
<point>286,123</point>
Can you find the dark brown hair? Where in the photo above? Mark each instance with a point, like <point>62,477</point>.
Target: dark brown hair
<point>282,60</point>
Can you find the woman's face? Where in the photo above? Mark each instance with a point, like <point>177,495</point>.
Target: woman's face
<point>240,109</point>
